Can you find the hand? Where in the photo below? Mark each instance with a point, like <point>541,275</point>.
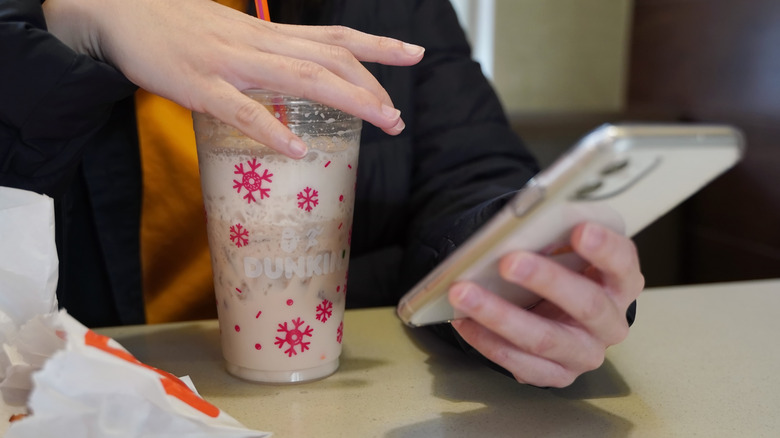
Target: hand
<point>201,54</point>
<point>568,332</point>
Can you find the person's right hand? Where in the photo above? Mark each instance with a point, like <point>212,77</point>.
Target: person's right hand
<point>201,55</point>
<point>568,332</point>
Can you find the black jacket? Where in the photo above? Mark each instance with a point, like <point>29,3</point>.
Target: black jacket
<point>67,129</point>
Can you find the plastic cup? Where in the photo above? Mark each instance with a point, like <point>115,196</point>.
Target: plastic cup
<point>279,231</point>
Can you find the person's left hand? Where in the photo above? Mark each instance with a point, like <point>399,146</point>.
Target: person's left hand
<point>202,55</point>
<point>568,332</point>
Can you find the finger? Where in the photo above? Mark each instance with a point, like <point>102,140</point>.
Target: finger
<point>526,331</point>
<point>338,49</point>
<point>313,81</point>
<point>333,58</point>
<point>339,61</point>
<point>366,47</point>
<point>231,106</point>
<point>582,299</point>
<point>525,367</point>
<point>614,256</point>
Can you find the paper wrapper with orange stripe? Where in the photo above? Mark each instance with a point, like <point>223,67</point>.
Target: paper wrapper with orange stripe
<point>92,386</point>
<point>70,380</point>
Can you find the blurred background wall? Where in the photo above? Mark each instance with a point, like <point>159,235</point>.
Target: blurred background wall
<point>558,56</point>
<point>562,67</point>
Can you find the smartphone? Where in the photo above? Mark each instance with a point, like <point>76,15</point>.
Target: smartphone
<point>623,176</point>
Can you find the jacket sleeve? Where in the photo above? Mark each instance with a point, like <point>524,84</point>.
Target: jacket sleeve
<point>53,100</point>
<point>467,160</point>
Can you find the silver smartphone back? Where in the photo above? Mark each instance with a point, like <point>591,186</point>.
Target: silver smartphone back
<point>622,176</point>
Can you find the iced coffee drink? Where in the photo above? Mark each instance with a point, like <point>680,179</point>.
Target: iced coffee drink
<point>279,235</point>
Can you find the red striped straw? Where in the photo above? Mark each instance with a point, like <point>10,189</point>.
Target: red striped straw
<point>262,13</point>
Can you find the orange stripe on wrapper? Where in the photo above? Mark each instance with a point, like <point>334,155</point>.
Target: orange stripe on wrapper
<point>171,384</point>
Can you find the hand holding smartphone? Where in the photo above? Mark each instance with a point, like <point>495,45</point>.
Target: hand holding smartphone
<point>621,176</point>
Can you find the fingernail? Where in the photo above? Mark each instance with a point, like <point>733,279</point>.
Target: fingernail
<point>400,126</point>
<point>463,296</point>
<point>412,49</point>
<point>390,112</point>
<point>521,267</point>
<point>593,237</point>
<point>297,148</point>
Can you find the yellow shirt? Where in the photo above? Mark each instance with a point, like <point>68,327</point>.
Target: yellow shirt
<point>175,261</point>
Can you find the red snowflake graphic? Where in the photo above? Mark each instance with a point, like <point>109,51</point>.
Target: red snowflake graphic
<point>324,310</point>
<point>239,235</point>
<point>252,181</point>
<point>293,336</point>
<point>308,199</point>
<point>340,332</point>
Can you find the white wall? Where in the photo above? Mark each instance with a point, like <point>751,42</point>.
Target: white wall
<point>554,56</point>
<point>478,19</point>
<point>551,56</point>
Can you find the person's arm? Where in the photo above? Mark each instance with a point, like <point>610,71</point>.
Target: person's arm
<point>467,160</point>
<point>201,55</point>
<point>53,100</point>
<point>467,164</point>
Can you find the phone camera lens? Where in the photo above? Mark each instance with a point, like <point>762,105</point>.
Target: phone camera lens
<point>615,167</point>
<point>587,189</point>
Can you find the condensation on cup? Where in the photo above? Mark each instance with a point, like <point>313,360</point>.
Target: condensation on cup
<point>279,233</point>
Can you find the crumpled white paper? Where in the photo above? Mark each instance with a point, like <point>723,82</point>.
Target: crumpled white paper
<point>73,381</point>
<point>28,258</point>
<point>93,387</point>
<point>28,282</point>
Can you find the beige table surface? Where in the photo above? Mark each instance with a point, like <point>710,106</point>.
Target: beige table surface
<point>700,361</point>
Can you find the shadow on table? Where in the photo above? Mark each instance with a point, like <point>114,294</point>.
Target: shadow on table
<point>194,349</point>
<point>191,349</point>
<point>512,409</point>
